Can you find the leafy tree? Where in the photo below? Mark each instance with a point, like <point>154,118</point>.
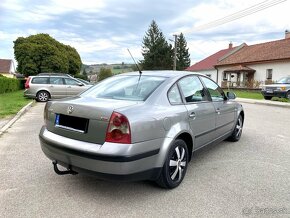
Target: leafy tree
<point>104,73</point>
<point>157,53</point>
<point>182,56</point>
<point>41,53</point>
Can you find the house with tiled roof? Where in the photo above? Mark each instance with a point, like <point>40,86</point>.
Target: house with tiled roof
<point>261,62</point>
<point>250,65</point>
<point>7,68</point>
<point>207,65</point>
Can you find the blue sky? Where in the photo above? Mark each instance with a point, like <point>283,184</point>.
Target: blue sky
<point>102,30</point>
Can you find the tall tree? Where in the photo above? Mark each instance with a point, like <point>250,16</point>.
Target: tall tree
<point>156,51</point>
<point>182,56</point>
<point>41,53</point>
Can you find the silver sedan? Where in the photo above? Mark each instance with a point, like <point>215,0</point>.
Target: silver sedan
<point>139,126</point>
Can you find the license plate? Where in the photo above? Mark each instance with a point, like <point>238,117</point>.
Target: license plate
<point>269,91</point>
<point>57,119</point>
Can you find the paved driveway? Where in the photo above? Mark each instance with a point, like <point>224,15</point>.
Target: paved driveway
<point>247,178</point>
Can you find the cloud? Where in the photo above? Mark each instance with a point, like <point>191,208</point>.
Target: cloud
<point>102,30</point>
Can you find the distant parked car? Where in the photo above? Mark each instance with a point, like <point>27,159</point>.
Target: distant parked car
<point>279,89</point>
<point>140,126</point>
<point>50,86</point>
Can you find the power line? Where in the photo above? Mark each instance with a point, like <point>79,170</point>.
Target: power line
<point>237,15</point>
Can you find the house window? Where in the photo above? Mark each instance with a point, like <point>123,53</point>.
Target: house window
<point>269,73</point>
<point>225,76</point>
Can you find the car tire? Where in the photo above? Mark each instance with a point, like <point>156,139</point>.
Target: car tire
<point>237,132</point>
<point>175,166</point>
<point>267,97</point>
<point>42,96</point>
<point>288,95</point>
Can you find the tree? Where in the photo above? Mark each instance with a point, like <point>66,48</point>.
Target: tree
<point>182,56</point>
<point>157,53</point>
<point>41,53</point>
<point>104,73</point>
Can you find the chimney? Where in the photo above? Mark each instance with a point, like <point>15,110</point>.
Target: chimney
<point>230,45</point>
<point>287,34</point>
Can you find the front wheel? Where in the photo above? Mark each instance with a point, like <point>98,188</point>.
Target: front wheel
<point>288,95</point>
<point>237,133</point>
<point>175,165</point>
<point>267,97</point>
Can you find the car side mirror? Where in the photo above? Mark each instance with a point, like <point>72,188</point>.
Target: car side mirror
<point>231,95</point>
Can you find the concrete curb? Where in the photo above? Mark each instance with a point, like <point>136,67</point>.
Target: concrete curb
<point>16,117</point>
<point>264,102</point>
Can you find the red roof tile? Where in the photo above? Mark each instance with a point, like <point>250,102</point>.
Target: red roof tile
<point>269,51</point>
<point>5,65</point>
<point>209,62</point>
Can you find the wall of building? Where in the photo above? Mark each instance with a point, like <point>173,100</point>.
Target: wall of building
<point>279,69</point>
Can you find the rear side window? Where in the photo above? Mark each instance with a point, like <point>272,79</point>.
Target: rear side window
<point>56,80</point>
<point>40,80</point>
<point>174,95</point>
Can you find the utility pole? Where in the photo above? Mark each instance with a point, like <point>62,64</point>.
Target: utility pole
<point>175,52</point>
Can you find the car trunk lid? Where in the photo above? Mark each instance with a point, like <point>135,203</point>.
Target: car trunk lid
<point>83,118</point>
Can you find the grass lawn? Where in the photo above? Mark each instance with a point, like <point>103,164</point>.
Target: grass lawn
<point>247,94</point>
<point>11,103</point>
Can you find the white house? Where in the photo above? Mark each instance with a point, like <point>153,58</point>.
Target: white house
<point>252,65</point>
<point>7,68</point>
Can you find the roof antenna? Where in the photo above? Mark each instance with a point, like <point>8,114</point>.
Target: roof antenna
<point>140,72</point>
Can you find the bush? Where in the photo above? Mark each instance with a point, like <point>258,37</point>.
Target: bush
<point>104,73</point>
<point>81,76</point>
<point>8,85</point>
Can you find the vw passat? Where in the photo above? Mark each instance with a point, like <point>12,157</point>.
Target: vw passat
<point>139,126</point>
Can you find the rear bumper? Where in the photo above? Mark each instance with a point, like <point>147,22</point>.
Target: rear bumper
<point>282,94</point>
<point>28,94</point>
<point>87,158</point>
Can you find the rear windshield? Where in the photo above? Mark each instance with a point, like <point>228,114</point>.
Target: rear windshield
<point>125,88</point>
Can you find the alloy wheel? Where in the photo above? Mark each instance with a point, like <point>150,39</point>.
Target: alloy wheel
<point>42,96</point>
<point>177,164</point>
<point>239,127</point>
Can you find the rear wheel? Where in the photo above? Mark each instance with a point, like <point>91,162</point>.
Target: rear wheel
<point>42,96</point>
<point>267,97</point>
<point>175,165</point>
<point>236,135</point>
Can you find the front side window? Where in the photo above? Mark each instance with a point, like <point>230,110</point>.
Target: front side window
<point>131,87</point>
<point>216,93</point>
<point>192,89</point>
<point>174,95</point>
<point>71,82</point>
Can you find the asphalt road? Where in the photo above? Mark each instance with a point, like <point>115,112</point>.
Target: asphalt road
<point>247,178</point>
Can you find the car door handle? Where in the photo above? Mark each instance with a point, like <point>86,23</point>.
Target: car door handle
<point>192,115</point>
<point>69,86</point>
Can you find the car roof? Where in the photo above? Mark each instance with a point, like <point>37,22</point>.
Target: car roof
<point>162,73</point>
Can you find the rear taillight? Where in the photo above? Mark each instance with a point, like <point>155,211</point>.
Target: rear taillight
<point>27,83</point>
<point>118,130</point>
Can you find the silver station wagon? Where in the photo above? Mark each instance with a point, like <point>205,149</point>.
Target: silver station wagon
<point>51,86</point>
<point>139,126</point>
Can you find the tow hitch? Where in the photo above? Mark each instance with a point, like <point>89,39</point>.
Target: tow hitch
<point>64,172</point>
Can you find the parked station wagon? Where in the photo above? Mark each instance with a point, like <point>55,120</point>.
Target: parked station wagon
<point>139,126</point>
<point>51,86</point>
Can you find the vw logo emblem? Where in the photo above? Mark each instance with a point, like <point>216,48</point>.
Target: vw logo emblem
<point>70,109</point>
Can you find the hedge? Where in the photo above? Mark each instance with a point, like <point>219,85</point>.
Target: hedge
<point>8,85</point>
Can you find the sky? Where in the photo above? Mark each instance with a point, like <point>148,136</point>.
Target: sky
<point>102,30</point>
